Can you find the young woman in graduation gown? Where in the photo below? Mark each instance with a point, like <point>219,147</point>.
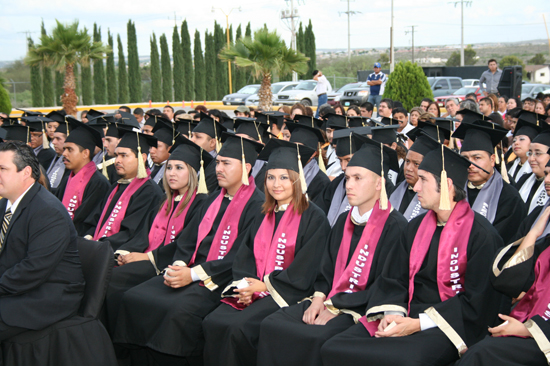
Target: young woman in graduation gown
<point>357,249</point>
<point>276,265</point>
<point>181,203</point>
<point>521,270</point>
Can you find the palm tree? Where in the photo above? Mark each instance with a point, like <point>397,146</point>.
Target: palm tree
<point>66,47</point>
<point>265,55</point>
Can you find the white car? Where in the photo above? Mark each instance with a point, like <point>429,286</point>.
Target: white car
<point>470,82</point>
<point>303,93</point>
<point>276,88</point>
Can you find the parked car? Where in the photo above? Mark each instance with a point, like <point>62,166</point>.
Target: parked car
<point>276,88</point>
<point>444,85</point>
<point>239,98</point>
<point>460,94</point>
<point>335,95</point>
<point>303,93</point>
<point>470,82</point>
<point>531,90</point>
<point>356,96</point>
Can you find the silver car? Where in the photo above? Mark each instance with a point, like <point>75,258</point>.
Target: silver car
<point>276,88</point>
<point>303,93</point>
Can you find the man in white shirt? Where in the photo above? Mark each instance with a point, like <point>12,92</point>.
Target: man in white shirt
<point>322,88</point>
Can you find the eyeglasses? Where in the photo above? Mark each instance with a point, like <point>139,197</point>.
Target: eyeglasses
<point>537,154</point>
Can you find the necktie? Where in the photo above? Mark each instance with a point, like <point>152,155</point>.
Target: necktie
<point>5,224</point>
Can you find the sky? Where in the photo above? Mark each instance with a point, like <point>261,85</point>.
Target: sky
<point>437,21</point>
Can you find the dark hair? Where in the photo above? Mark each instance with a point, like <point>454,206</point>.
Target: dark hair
<point>315,72</point>
<point>309,111</point>
<point>397,103</point>
<point>399,110</point>
<point>492,60</point>
<point>488,100</point>
<point>471,95</point>
<point>354,108</point>
<point>153,112</point>
<point>529,99</point>
<point>340,107</point>
<point>324,110</point>
<point>178,112</point>
<point>460,193</point>
<point>23,157</point>
<point>138,111</point>
<point>388,102</point>
<point>426,100</point>
<point>438,109</point>
<point>201,108</point>
<point>368,106</point>
<point>505,97</point>
<point>168,106</point>
<point>214,113</point>
<point>125,108</point>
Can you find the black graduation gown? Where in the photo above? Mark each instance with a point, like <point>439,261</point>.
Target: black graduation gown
<point>513,351</point>
<point>210,177</point>
<point>232,335</point>
<point>84,219</point>
<point>328,193</point>
<point>316,188</point>
<point>260,178</point>
<point>132,274</point>
<point>468,313</point>
<point>285,328</point>
<point>45,157</point>
<point>132,236</point>
<point>526,224</point>
<point>511,211</point>
<point>173,323</point>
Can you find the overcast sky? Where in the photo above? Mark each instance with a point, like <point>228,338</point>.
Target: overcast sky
<point>438,21</point>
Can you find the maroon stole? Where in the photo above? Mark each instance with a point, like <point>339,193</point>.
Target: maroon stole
<point>76,185</point>
<point>273,249</point>
<point>228,230</point>
<point>112,225</point>
<point>537,299</point>
<point>167,225</point>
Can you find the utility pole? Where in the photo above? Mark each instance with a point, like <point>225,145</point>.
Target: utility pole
<point>461,2</point>
<point>227,34</point>
<point>349,12</point>
<point>286,15</point>
<point>412,32</point>
<point>392,61</point>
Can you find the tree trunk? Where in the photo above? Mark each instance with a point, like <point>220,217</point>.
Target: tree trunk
<point>265,94</point>
<point>69,98</point>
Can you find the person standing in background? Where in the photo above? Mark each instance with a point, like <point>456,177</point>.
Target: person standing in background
<point>322,88</point>
<point>488,82</point>
<point>377,82</point>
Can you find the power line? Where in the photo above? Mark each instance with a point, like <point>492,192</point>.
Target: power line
<point>412,31</point>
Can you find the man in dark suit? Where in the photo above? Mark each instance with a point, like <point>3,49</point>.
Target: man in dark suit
<point>41,280</point>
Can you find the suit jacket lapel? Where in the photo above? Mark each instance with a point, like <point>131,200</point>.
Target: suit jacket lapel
<point>21,207</point>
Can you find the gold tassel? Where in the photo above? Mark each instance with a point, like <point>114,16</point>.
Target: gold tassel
<point>218,144</point>
<point>301,172</point>
<point>503,170</point>
<point>451,143</point>
<point>244,177</point>
<point>322,162</point>
<point>45,143</point>
<point>444,200</point>
<point>383,195</point>
<point>142,172</point>
<point>104,168</point>
<point>202,188</point>
<point>497,159</point>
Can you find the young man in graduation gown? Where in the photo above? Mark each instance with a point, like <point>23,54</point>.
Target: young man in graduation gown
<point>524,133</point>
<point>107,166</point>
<point>165,134</point>
<point>277,262</point>
<point>196,267</point>
<point>251,128</point>
<point>124,211</point>
<point>521,271</point>
<point>207,134</point>
<point>487,191</point>
<point>56,171</point>
<point>530,186</point>
<point>357,249</point>
<point>85,188</point>
<point>39,140</point>
<point>434,298</point>
<point>316,178</point>
<point>41,280</point>
<point>388,136</point>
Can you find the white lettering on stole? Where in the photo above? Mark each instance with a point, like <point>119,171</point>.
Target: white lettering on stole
<point>224,242</point>
<point>484,209</point>
<point>455,274</point>
<point>281,250</point>
<point>358,268</point>
<point>416,211</point>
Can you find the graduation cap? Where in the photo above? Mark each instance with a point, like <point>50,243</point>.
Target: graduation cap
<point>436,132</point>
<point>377,158</point>
<point>524,128</point>
<point>186,150</point>
<point>389,121</point>
<point>281,154</point>
<point>57,116</point>
<point>349,140</point>
<point>139,142</point>
<point>38,123</point>
<point>227,122</point>
<point>165,132</point>
<point>30,113</point>
<point>85,136</point>
<point>309,121</point>
<point>357,121</point>
<point>309,136</point>
<point>10,121</point>
<point>544,136</point>
<point>477,137</point>
<point>210,127</point>
<point>252,128</point>
<point>152,121</point>
<point>18,132</point>
<point>185,126</point>
<point>271,118</point>
<point>514,112</point>
<point>68,125</point>
<point>386,135</point>
<point>237,147</point>
<point>423,144</point>
<point>129,119</point>
<point>103,119</point>
<point>92,113</point>
<point>337,121</point>
<point>534,118</point>
<point>469,116</point>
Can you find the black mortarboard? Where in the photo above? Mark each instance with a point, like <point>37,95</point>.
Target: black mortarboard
<point>235,146</point>
<point>271,117</point>
<point>134,140</point>
<point>189,152</point>
<point>357,121</point>
<point>349,140</point>
<point>128,119</point>
<point>514,112</point>
<point>252,128</point>
<point>469,116</point>
<point>524,128</point>
<point>456,166</point>
<point>476,137</point>
<point>185,126</point>
<point>38,123</point>
<point>386,135</point>
<point>10,121</point>
<point>423,144</point>
<point>534,118</point>
<point>227,122</point>
<point>389,121</point>
<point>210,127</point>
<point>30,113</point>
<point>337,121</point>
<point>369,157</point>
<point>18,132</point>
<point>544,136</point>
<point>103,119</point>
<point>57,116</point>
<point>165,132</point>
<point>306,135</point>
<point>309,121</point>
<point>85,136</point>
<point>434,131</point>
<point>69,124</point>
<point>446,123</point>
<point>152,121</point>
<point>92,113</point>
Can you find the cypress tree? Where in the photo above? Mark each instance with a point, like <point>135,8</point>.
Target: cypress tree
<point>309,43</point>
<point>111,73</point>
<point>221,66</point>
<point>123,96</point>
<point>134,73</point>
<point>239,77</point>
<point>36,82</point>
<point>210,66</point>
<point>100,95</point>
<point>177,56</point>
<point>156,79</point>
<point>300,46</point>
<point>188,79</point>
<point>86,81</point>
<point>5,102</point>
<point>200,87</point>
<point>248,31</point>
<point>166,69</point>
<point>47,81</point>
<point>59,90</point>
